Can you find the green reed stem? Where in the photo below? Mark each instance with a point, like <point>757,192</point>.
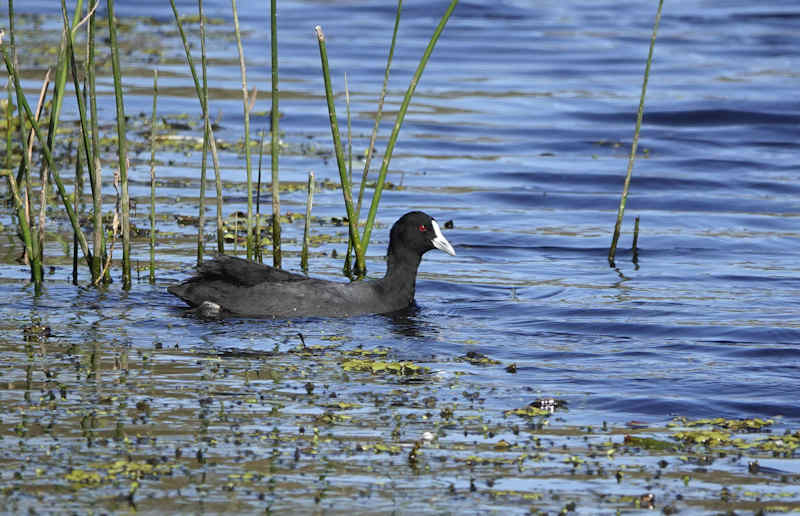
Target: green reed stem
<point>21,125</point>
<point>99,243</point>
<point>337,143</point>
<point>60,81</point>
<point>85,131</point>
<point>349,131</point>
<point>24,225</point>
<point>275,137</point>
<point>387,157</point>
<point>152,276</point>
<point>639,113</point>
<point>19,205</point>
<point>246,102</point>
<point>307,228</point>
<point>204,105</point>
<point>62,192</point>
<point>349,168</point>
<point>379,114</point>
<point>258,256</point>
<point>12,44</point>
<point>38,239</point>
<point>635,247</point>
<point>8,126</point>
<point>122,149</point>
<point>55,111</point>
<point>35,258</point>
<point>78,192</point>
<point>201,204</point>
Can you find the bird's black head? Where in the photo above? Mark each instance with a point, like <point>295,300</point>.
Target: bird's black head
<point>418,232</point>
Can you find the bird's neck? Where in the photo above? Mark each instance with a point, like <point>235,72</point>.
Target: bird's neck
<point>401,272</point>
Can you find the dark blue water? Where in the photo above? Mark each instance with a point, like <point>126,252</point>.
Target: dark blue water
<point>519,133</point>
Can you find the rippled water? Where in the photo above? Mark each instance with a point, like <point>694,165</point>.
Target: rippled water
<point>519,134</point>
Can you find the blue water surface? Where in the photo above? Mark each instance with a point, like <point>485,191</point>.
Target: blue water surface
<point>519,133</point>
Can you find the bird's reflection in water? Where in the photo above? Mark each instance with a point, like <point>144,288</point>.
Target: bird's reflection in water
<point>407,323</point>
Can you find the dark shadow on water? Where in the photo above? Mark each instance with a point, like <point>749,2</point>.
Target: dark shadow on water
<point>407,323</point>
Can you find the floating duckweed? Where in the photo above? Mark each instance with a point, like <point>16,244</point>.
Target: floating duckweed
<point>331,418</point>
<point>79,476</point>
<point>704,437</point>
<point>109,472</point>
<point>381,367</point>
<point>648,443</point>
<point>778,444</point>
<point>343,406</point>
<point>369,352</point>
<point>391,449</point>
<point>520,494</point>
<point>736,425</point>
<point>529,411</point>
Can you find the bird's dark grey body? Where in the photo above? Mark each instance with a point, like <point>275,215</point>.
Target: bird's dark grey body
<point>245,288</point>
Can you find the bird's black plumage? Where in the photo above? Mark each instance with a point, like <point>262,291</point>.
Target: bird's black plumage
<point>245,288</point>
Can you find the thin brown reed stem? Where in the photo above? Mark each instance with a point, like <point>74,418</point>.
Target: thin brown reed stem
<point>307,227</point>
<point>152,275</point>
<point>122,148</point>
<point>246,102</point>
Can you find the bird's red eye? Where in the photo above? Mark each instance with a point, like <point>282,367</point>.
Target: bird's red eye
<point>423,228</point>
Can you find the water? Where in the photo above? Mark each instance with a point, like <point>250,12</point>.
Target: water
<point>518,133</point>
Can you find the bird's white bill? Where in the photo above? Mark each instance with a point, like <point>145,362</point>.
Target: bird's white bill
<point>440,242</point>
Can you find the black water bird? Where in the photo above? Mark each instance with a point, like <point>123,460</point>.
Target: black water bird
<point>229,285</point>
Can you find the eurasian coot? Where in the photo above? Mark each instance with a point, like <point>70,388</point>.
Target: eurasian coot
<point>229,285</point>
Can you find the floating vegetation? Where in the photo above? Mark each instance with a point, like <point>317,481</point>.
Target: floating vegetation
<point>734,425</point>
<point>475,358</point>
<point>297,428</point>
<point>381,367</point>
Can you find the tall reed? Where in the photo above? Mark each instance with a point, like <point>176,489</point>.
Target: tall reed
<point>9,125</point>
<point>152,275</point>
<point>360,244</point>
<point>84,124</point>
<point>246,102</point>
<point>78,193</point>
<point>201,204</point>
<point>25,110</point>
<point>95,169</point>
<point>37,261</point>
<point>211,140</point>
<point>258,257</point>
<point>379,112</point>
<point>337,143</point>
<point>24,223</point>
<point>274,136</point>
<point>22,184</point>
<point>66,61</point>
<point>347,267</point>
<point>632,157</point>
<point>387,156</point>
<point>307,227</point>
<point>122,148</point>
